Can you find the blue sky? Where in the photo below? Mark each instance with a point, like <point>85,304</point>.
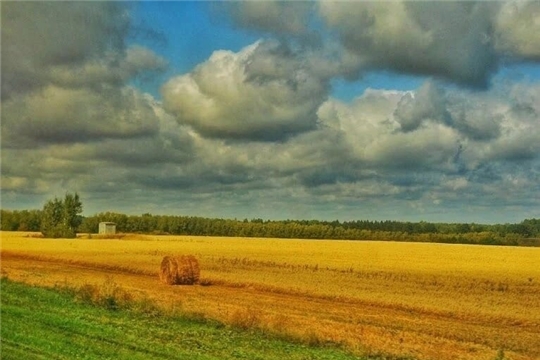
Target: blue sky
<point>306,110</point>
<point>190,31</point>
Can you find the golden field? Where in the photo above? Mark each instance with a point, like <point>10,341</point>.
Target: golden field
<point>429,301</point>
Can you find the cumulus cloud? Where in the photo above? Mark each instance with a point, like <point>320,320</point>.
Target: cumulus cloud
<point>359,153</point>
<point>427,103</point>
<point>463,42</point>
<point>476,117</point>
<point>255,131</point>
<point>373,131</point>
<point>432,147</point>
<point>58,115</point>
<point>264,92</point>
<point>113,70</point>
<point>465,141</point>
<point>112,164</point>
<point>517,29</point>
<point>64,73</point>
<point>519,139</point>
<point>450,40</point>
<point>274,16</point>
<point>479,120</point>
<point>68,112</point>
<point>39,36</point>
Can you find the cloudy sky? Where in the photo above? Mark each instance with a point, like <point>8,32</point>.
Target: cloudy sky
<point>302,110</point>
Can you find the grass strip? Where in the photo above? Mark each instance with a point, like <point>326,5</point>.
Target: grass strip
<point>41,323</point>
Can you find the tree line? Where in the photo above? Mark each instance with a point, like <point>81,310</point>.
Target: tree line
<point>60,218</point>
<point>525,233</point>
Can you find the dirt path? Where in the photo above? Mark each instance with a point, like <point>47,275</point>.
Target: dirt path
<point>360,326</point>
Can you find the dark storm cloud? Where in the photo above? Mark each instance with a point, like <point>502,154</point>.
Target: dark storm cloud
<point>69,119</point>
<point>64,73</point>
<point>156,151</point>
<point>37,36</point>
<point>464,42</point>
<point>58,115</point>
<point>450,40</point>
<point>329,175</point>
<point>211,181</point>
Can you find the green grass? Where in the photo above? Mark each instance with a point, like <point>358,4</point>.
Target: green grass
<point>40,323</point>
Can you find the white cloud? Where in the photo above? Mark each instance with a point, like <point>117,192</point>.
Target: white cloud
<point>426,104</point>
<point>517,29</point>
<point>263,92</point>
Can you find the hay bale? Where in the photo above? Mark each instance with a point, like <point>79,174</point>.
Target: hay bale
<point>180,270</point>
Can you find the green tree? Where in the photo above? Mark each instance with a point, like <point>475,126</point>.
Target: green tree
<point>71,212</point>
<point>61,218</point>
<point>8,220</point>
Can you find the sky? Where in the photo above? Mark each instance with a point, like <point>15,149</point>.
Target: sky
<point>395,110</point>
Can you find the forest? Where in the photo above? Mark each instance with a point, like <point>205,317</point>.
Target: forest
<point>525,233</point>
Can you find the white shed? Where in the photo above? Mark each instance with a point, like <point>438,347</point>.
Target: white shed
<point>107,228</point>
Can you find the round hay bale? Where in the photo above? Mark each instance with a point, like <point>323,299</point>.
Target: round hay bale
<point>168,270</point>
<point>180,270</point>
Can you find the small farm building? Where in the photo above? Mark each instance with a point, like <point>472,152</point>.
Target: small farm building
<point>107,228</point>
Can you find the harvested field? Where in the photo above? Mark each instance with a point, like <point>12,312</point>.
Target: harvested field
<point>430,301</point>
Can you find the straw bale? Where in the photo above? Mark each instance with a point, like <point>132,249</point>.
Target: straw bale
<point>180,270</point>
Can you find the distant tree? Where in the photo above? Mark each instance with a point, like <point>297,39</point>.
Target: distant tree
<point>20,220</point>
<point>30,220</point>
<point>8,220</point>
<point>51,219</point>
<point>89,225</point>
<point>71,212</point>
<point>60,218</point>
